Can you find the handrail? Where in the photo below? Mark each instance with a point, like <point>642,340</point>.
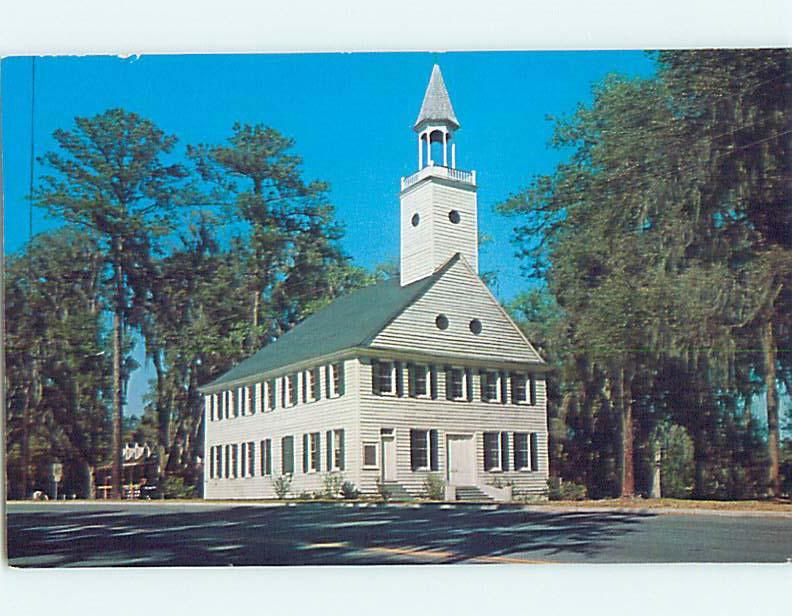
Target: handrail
<point>459,175</point>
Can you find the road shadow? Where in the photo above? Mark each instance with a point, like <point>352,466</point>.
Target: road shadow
<point>305,534</point>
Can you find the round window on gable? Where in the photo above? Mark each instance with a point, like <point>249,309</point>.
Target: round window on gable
<point>454,217</point>
<point>475,326</point>
<point>441,321</point>
<point>415,220</point>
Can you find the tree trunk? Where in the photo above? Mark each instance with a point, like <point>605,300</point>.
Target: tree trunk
<point>25,477</point>
<point>118,414</point>
<point>626,448</point>
<point>773,436</point>
<point>89,480</point>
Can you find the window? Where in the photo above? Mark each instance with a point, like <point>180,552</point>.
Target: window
<point>251,408</point>
<point>290,390</point>
<point>266,457</point>
<point>423,450</point>
<point>251,458</point>
<point>384,377</point>
<point>523,389</point>
<point>287,455</point>
<point>415,220</point>
<point>235,460</point>
<point>370,455</point>
<point>441,321</point>
<point>475,326</point>
<point>315,451</point>
<point>496,451</point>
<point>271,400</point>
<point>312,385</point>
<point>522,460</point>
<point>334,450</point>
<point>454,217</point>
<point>337,371</point>
<point>457,384</point>
<point>240,401</point>
<point>490,386</point>
<point>219,462</point>
<point>419,376</point>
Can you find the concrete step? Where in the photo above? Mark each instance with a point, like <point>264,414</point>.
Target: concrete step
<point>471,493</point>
<point>397,491</point>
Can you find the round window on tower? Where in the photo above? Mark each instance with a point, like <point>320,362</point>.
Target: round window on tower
<point>453,216</point>
<point>415,220</point>
<point>441,321</point>
<point>475,326</point>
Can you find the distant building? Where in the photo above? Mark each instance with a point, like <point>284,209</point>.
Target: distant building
<point>140,468</point>
<point>420,375</point>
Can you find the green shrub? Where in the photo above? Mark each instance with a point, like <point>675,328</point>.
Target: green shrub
<point>434,487</point>
<point>349,491</point>
<point>173,486</point>
<point>565,490</point>
<point>332,484</point>
<point>282,486</point>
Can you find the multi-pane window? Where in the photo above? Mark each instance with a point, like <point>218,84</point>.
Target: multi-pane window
<point>522,459</point>
<point>423,450</point>
<point>456,383</point>
<point>313,384</point>
<point>337,380</point>
<point>519,388</point>
<point>239,407</point>
<point>287,455</point>
<point>218,450</point>
<point>369,455</point>
<point>235,460</point>
<point>384,377</point>
<point>251,459</point>
<point>266,457</point>
<point>490,386</point>
<point>292,390</point>
<point>334,450</point>
<point>314,451</point>
<point>271,399</point>
<point>419,376</point>
<point>496,451</point>
<point>251,408</point>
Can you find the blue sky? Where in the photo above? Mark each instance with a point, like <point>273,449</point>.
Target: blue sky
<point>350,114</point>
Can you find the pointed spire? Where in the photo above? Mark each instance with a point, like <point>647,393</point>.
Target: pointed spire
<point>436,105</point>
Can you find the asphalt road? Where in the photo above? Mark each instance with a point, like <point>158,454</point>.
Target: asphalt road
<point>148,534</point>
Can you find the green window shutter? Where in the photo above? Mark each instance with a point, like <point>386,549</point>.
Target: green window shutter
<point>504,386</point>
<point>328,380</point>
<point>304,383</point>
<point>329,445</point>
<point>469,382</point>
<point>411,380</point>
<point>341,450</point>
<point>399,378</point>
<point>433,384</point>
<point>375,377</point>
<point>504,437</point>
<point>532,384</point>
<point>341,378</point>
<point>513,382</point>
<point>534,451</point>
<point>305,453</point>
<point>448,386</point>
<point>483,384</point>
<point>433,450</point>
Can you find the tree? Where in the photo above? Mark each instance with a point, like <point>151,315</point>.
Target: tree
<point>56,362</point>
<point>110,177</point>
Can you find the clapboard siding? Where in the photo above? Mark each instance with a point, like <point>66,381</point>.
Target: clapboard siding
<point>461,296</point>
<point>451,238</point>
<point>319,416</point>
<point>417,259</point>
<point>404,413</point>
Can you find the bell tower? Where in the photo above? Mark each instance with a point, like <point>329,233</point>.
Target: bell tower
<point>438,202</point>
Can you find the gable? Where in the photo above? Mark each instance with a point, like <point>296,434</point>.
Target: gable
<point>460,295</point>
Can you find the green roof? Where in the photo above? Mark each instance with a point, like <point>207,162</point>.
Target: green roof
<point>350,321</point>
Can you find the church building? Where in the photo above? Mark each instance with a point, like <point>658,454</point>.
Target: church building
<point>422,375</point>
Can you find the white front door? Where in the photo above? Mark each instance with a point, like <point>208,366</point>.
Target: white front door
<point>461,460</point>
<point>388,458</point>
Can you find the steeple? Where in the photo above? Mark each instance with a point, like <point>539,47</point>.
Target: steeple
<point>436,107</point>
<point>439,217</point>
<point>436,123</point>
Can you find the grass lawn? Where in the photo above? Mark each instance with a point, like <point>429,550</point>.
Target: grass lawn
<point>676,503</point>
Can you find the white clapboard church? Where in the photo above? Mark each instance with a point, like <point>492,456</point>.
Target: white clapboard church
<point>418,375</point>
